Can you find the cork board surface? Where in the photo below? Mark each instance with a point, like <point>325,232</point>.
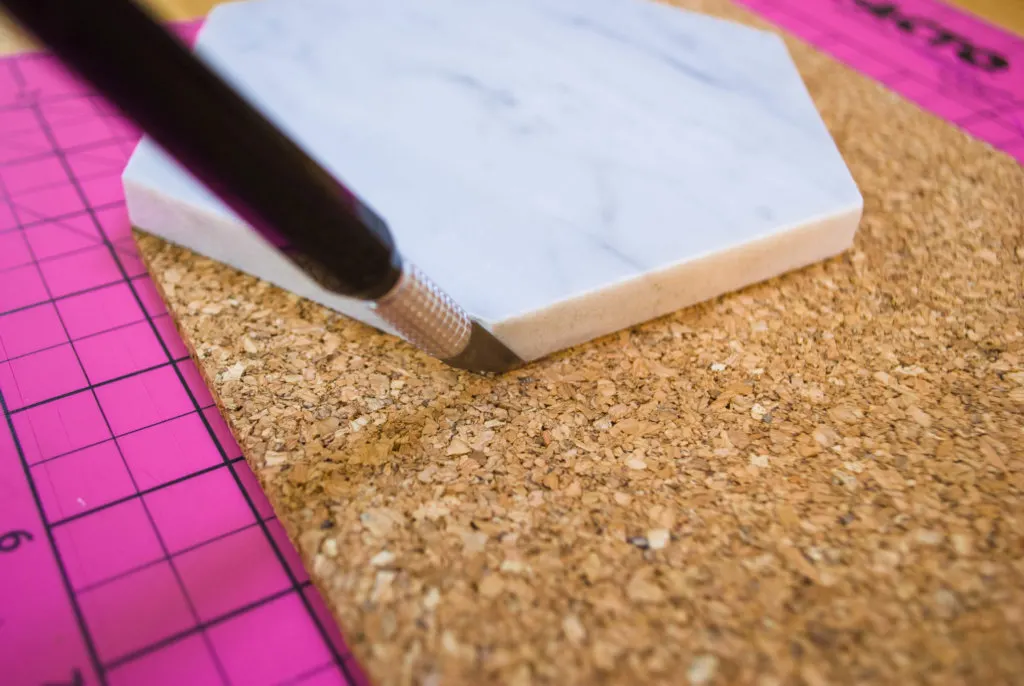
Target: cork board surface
<point>817,480</point>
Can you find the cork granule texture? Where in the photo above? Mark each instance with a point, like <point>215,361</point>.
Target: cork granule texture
<point>814,481</point>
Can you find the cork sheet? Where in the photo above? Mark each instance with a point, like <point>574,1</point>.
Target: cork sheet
<point>816,480</point>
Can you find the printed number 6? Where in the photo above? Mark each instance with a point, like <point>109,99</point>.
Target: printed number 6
<point>11,540</point>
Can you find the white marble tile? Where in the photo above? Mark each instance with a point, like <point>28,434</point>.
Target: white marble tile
<point>563,168</point>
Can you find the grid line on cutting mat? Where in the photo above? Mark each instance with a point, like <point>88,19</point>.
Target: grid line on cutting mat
<point>293,595</point>
<point>66,583</point>
<point>294,583</point>
<point>66,453</point>
<point>92,389</point>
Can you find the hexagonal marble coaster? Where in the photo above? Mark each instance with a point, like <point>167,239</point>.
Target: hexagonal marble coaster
<point>563,168</point>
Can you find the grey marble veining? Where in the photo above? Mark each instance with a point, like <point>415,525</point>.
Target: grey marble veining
<point>563,168</point>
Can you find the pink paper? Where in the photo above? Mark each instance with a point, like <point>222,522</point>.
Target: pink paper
<point>135,545</point>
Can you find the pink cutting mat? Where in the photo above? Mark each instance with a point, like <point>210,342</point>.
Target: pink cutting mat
<point>948,62</point>
<point>135,544</point>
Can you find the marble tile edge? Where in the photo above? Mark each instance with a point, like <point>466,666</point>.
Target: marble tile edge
<point>676,288</point>
<point>159,215</point>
